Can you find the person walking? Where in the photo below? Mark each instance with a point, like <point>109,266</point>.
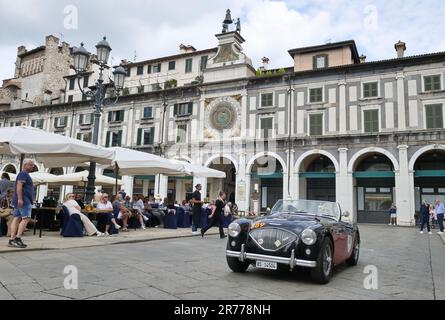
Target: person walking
<point>425,217</point>
<point>22,201</point>
<point>440,212</point>
<point>197,206</point>
<point>217,216</point>
<point>393,215</point>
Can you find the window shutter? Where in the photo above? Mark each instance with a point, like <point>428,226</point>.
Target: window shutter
<point>55,122</point>
<point>314,62</point>
<point>176,109</point>
<point>139,141</point>
<point>159,67</point>
<point>149,69</point>
<point>119,138</point>
<point>121,115</point>
<point>190,109</point>
<point>79,136</point>
<point>107,143</point>
<point>110,116</point>
<point>152,135</point>
<point>81,119</point>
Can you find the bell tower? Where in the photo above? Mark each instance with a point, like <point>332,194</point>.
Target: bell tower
<point>230,62</point>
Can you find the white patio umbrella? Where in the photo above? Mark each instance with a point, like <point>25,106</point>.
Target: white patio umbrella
<point>199,171</point>
<point>131,162</point>
<point>38,178</point>
<point>53,150</point>
<point>80,178</point>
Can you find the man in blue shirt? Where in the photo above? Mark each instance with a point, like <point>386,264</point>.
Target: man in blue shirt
<point>440,212</point>
<point>22,202</point>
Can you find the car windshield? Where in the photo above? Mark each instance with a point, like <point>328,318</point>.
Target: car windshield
<point>308,207</point>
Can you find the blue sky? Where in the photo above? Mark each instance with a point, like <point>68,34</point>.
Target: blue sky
<point>157,28</point>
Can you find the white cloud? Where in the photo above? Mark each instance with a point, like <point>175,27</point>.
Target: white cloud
<point>271,28</point>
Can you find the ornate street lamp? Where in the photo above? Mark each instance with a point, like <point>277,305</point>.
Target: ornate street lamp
<point>98,95</point>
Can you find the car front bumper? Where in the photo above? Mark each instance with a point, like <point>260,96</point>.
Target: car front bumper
<point>292,261</point>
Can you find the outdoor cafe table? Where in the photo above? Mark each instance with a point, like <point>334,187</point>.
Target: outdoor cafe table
<point>39,214</point>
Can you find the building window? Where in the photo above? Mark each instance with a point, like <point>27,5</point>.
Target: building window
<point>183,109</point>
<point>371,121</point>
<point>70,98</point>
<point>60,122</point>
<point>181,136</point>
<point>87,137</point>
<point>141,89</point>
<point>140,70</point>
<point>85,81</point>
<point>432,83</point>
<point>266,125</point>
<point>172,65</point>
<point>204,60</point>
<point>266,100</point>
<point>321,61</point>
<point>72,84</point>
<point>370,90</point>
<point>86,119</point>
<point>148,113</point>
<point>315,95</point>
<point>149,69</point>
<point>156,68</point>
<point>188,65</point>
<point>129,72</point>
<point>146,136</point>
<point>316,124</point>
<point>114,139</point>
<point>37,123</point>
<point>116,116</point>
<point>434,116</point>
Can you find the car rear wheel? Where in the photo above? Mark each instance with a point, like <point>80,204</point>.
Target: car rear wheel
<point>237,266</point>
<point>353,260</point>
<point>322,274</point>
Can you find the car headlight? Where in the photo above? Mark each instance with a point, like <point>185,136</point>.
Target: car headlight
<point>234,230</point>
<point>309,237</point>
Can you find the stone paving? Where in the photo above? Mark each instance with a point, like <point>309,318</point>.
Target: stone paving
<point>410,266</point>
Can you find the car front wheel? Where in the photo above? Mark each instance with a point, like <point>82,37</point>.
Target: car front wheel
<point>322,274</point>
<point>353,260</point>
<point>237,266</point>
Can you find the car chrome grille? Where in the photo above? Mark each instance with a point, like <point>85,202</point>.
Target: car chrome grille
<point>271,239</point>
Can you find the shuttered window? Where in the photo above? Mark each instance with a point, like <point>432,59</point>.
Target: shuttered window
<point>434,116</point>
<point>315,95</point>
<point>432,83</point>
<point>371,121</point>
<point>316,124</point>
<point>370,90</point>
<point>114,139</point>
<point>140,70</point>
<point>266,125</point>
<point>183,109</point>
<point>146,136</point>
<point>116,116</point>
<point>188,65</point>
<point>267,100</point>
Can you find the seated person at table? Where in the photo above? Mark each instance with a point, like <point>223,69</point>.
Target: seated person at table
<point>139,209</point>
<point>123,214</point>
<point>128,203</point>
<point>79,201</point>
<point>161,212</point>
<point>105,206</point>
<point>74,208</point>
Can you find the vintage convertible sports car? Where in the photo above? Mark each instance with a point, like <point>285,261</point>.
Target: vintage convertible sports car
<point>298,233</point>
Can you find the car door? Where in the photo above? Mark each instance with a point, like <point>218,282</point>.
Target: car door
<point>340,235</point>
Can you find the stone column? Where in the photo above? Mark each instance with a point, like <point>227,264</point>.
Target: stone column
<point>344,186</point>
<point>289,182</point>
<point>161,186</point>
<point>342,106</point>
<point>128,183</point>
<point>145,186</point>
<point>404,190</point>
<point>401,101</point>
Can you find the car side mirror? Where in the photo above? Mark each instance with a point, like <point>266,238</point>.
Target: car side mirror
<point>346,214</point>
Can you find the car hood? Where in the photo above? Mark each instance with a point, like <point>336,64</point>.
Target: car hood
<point>294,223</point>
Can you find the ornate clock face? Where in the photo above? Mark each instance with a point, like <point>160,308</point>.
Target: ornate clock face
<point>223,116</point>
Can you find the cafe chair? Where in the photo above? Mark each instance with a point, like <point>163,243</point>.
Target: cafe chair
<point>171,220</point>
<point>72,225</point>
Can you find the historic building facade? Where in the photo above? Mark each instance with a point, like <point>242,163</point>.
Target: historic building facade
<point>332,127</point>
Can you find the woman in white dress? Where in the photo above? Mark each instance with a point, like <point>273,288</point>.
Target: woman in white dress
<point>74,208</point>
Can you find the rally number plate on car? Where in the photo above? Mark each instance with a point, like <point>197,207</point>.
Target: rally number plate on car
<point>267,265</point>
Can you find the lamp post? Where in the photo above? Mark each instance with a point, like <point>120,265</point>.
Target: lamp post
<point>98,95</point>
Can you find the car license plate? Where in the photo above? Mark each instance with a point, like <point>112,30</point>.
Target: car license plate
<point>267,265</point>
